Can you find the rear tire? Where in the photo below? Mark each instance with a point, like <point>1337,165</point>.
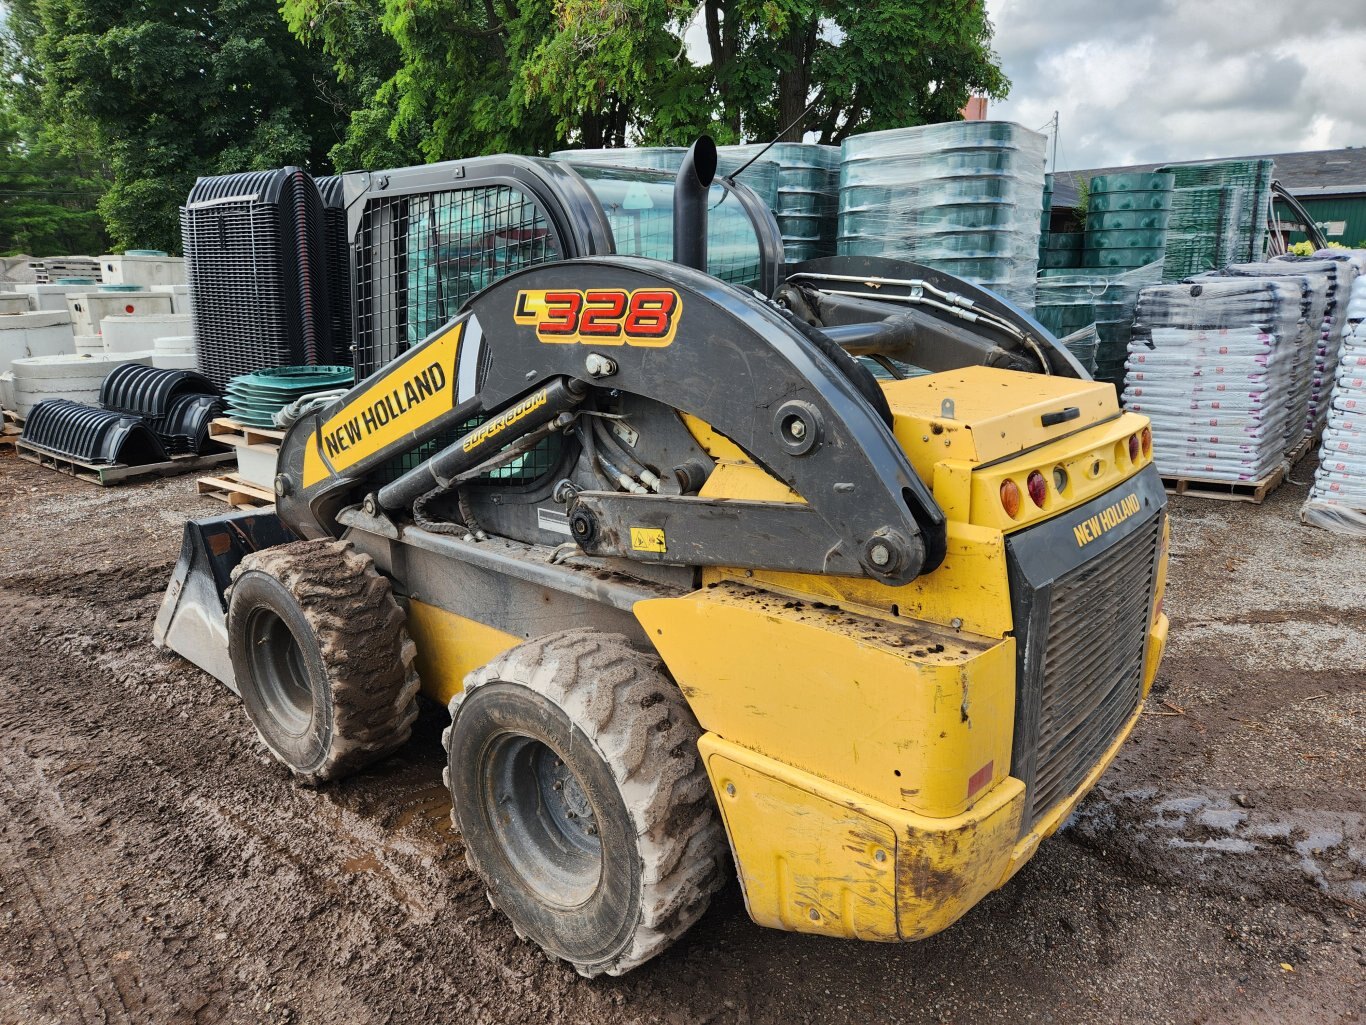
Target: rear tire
<point>584,807</point>
<point>321,657</point>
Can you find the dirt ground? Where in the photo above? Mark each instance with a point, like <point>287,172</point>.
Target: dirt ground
<point>156,866</point>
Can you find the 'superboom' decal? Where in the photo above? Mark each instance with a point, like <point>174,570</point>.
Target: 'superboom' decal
<point>601,316</point>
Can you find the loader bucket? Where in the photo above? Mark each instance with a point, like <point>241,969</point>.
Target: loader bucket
<point>193,619</point>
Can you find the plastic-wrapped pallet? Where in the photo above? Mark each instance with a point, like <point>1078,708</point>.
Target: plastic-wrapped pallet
<point>965,198</point>
<point>1337,499</point>
<point>1069,302</point>
<point>1316,280</point>
<point>808,187</point>
<point>1343,271</point>
<point>1203,230</point>
<point>1210,364</point>
<point>1252,180</point>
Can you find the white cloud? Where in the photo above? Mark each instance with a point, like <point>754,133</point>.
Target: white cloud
<point>1152,80</point>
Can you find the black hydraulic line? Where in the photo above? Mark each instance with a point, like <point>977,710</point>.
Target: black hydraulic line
<point>634,467</point>
<point>533,410</point>
<point>691,185</point>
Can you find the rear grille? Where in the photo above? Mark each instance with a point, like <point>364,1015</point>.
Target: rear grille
<point>1093,662</point>
<point>1082,641</point>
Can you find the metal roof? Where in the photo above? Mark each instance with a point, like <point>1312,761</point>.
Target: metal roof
<point>1324,172</point>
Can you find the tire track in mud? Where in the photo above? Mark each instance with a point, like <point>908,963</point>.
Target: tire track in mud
<point>392,872</point>
<point>91,992</point>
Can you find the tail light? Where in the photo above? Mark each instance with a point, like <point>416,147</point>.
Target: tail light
<point>1010,498</point>
<point>1038,488</point>
<point>1147,435</point>
<point>1133,448</point>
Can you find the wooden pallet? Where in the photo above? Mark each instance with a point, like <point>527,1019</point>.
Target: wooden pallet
<point>117,473</point>
<point>1301,450</point>
<point>229,432</point>
<point>10,429</point>
<point>1254,491</point>
<point>238,493</point>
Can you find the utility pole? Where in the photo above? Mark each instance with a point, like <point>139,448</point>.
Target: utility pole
<point>1055,142</point>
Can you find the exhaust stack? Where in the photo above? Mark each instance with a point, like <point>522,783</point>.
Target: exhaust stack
<point>690,203</point>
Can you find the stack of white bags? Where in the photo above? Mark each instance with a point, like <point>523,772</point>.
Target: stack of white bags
<point>1337,499</point>
<point>1218,365</point>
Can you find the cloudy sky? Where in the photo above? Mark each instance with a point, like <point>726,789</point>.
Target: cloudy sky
<point>1148,80</point>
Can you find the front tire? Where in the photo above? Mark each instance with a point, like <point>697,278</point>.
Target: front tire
<point>577,787</point>
<point>321,657</point>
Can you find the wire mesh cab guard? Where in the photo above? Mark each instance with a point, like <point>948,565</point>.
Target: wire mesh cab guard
<point>423,240</point>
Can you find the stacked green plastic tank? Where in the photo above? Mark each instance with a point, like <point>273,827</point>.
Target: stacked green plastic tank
<point>762,176</point>
<point>1067,303</point>
<point>1062,251</point>
<point>965,198</point>
<point>1126,220</point>
<point>1252,180</point>
<point>808,188</point>
<point>639,207</point>
<point>1205,232</point>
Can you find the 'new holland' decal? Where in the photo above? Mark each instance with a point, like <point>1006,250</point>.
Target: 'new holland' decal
<point>1107,519</point>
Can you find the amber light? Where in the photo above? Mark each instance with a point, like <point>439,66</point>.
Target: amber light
<point>1147,441</point>
<point>1133,448</point>
<point>1010,498</point>
<point>1038,488</point>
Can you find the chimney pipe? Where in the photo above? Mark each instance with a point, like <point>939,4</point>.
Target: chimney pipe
<point>690,203</point>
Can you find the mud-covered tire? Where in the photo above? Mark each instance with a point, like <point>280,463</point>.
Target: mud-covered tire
<point>589,711</point>
<point>321,657</point>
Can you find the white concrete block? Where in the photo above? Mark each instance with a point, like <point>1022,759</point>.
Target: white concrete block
<point>41,333</point>
<point>90,307</point>
<point>131,269</point>
<point>139,333</point>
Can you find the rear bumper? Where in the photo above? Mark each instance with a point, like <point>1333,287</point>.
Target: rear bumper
<point>815,857</point>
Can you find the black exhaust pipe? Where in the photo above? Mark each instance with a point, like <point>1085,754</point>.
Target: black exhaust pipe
<point>690,203</point>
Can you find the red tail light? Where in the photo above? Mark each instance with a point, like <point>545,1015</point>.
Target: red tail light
<point>1133,448</point>
<point>1038,488</point>
<point>1010,498</point>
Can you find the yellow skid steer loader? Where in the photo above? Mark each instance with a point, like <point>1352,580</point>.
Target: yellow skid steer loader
<point>697,586</point>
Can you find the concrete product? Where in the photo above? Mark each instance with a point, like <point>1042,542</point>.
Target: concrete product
<point>77,378</point>
<point>174,360</point>
<point>6,390</point>
<point>41,333</point>
<point>90,345</point>
<point>180,296</point>
<point>53,297</point>
<point>136,269</point>
<point>174,353</point>
<point>256,464</point>
<point>88,308</point>
<point>16,303</point>
<point>139,333</point>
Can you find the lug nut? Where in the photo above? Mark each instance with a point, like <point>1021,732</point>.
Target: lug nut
<point>797,429</point>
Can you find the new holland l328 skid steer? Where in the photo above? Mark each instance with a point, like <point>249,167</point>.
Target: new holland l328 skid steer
<point>697,587</point>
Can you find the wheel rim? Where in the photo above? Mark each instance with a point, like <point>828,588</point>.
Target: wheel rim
<point>278,669</point>
<point>543,819</point>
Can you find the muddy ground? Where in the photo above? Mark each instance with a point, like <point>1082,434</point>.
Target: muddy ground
<point>156,866</point>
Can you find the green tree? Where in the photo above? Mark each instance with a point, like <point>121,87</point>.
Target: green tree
<point>463,77</point>
<point>169,92</point>
<point>48,193</point>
